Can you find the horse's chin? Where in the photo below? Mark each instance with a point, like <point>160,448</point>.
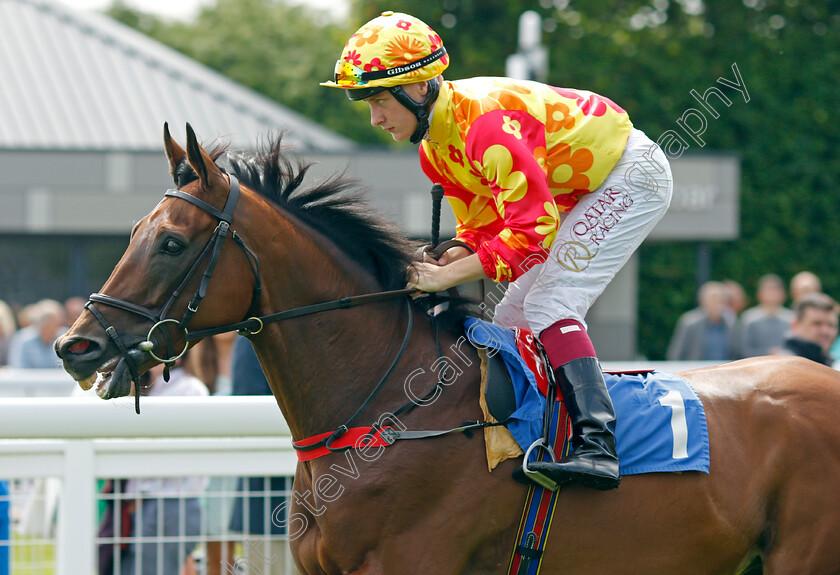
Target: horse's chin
<point>112,384</point>
<point>112,379</point>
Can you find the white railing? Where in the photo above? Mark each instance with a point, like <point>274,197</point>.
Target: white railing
<point>81,439</point>
<point>35,383</point>
<point>56,382</point>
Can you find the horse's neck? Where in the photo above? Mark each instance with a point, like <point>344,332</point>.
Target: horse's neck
<point>320,365</point>
<point>322,369</point>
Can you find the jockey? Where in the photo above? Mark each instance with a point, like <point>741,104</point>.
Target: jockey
<point>553,189</point>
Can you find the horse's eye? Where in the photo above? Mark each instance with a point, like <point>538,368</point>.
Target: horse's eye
<point>172,247</point>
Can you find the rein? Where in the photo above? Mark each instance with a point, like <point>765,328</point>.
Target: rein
<point>342,438</point>
<point>254,325</point>
<point>346,437</point>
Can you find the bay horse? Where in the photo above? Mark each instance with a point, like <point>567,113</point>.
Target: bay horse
<point>431,507</point>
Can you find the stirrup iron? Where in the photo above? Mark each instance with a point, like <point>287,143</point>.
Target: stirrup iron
<point>536,476</point>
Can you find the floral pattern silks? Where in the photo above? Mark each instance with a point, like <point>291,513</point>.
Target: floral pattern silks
<point>512,157</point>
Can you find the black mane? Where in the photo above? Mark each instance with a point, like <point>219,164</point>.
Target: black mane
<point>337,208</point>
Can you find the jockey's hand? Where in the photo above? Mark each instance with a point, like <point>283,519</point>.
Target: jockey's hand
<point>435,277</point>
<point>449,256</point>
<point>428,277</point>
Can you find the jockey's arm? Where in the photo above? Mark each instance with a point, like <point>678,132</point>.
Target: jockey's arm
<point>430,277</point>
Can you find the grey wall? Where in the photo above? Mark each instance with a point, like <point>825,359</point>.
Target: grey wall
<point>83,202</point>
<point>104,192</point>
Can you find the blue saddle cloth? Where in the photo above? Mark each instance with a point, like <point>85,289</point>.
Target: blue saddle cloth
<point>660,421</point>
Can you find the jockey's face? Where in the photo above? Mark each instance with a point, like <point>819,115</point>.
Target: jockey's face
<point>387,113</point>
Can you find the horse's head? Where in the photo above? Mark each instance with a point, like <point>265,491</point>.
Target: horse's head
<point>144,311</point>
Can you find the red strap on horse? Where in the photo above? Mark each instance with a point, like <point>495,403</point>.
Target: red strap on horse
<point>353,438</point>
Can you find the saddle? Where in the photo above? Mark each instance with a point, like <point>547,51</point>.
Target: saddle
<point>524,415</point>
<point>498,390</point>
<point>660,421</point>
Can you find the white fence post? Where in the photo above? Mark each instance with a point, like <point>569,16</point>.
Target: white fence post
<point>77,510</point>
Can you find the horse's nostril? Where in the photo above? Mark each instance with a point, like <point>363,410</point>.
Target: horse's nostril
<point>80,346</point>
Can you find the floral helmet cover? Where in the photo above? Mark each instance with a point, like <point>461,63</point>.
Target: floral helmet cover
<point>390,50</point>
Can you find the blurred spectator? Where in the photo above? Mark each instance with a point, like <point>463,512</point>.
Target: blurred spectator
<point>32,346</point>
<point>761,330</point>
<point>115,517</point>
<point>7,331</point>
<point>23,315</point>
<point>73,308</point>
<point>210,360</point>
<point>737,297</point>
<point>802,284</point>
<point>175,498</point>
<point>255,517</point>
<point>706,332</point>
<point>813,329</point>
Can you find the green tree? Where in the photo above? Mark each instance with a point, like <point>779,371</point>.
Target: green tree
<point>646,55</point>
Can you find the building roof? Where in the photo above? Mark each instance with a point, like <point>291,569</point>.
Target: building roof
<point>72,80</point>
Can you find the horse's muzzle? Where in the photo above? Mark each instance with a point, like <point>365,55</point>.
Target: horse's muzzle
<point>91,361</point>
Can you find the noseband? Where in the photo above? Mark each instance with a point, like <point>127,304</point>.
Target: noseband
<point>210,254</point>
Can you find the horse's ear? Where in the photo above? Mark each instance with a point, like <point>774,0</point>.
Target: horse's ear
<point>204,166</point>
<point>174,152</point>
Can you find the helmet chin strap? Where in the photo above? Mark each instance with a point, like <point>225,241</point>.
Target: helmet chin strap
<point>421,110</point>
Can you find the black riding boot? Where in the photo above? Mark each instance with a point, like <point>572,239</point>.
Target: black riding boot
<point>593,462</point>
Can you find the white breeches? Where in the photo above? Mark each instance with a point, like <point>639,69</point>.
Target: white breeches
<point>594,241</point>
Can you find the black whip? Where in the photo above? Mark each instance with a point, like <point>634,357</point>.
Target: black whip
<point>437,197</point>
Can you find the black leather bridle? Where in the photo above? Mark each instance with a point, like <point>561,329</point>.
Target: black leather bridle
<point>252,325</point>
<point>210,255</point>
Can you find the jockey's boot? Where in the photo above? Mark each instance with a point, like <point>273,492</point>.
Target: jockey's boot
<point>593,462</point>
